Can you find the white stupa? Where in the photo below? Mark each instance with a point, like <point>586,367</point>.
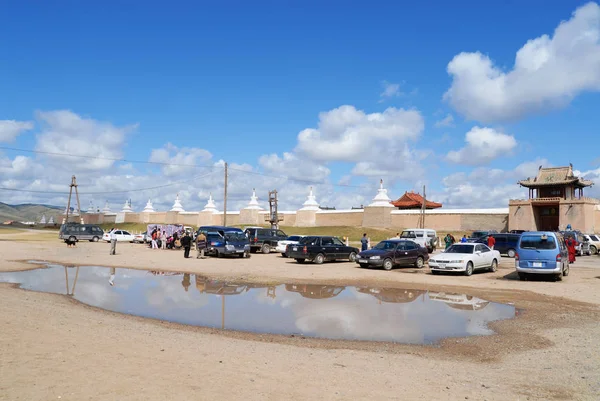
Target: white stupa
<point>43,219</point>
<point>149,208</point>
<point>177,207</point>
<point>106,208</point>
<point>253,204</point>
<point>51,221</point>
<point>381,199</point>
<point>210,205</point>
<point>311,202</point>
<point>90,208</point>
<point>127,207</point>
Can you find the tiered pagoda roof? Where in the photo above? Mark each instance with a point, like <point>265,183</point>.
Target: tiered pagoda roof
<point>553,176</point>
<point>413,200</point>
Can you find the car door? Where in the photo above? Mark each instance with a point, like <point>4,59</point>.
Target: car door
<point>401,254</point>
<point>480,256</point>
<point>341,250</point>
<point>412,252</point>
<point>127,236</point>
<point>328,248</point>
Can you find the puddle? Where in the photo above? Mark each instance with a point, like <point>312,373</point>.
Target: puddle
<point>351,313</point>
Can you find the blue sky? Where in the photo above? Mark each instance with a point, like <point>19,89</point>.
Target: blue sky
<point>243,79</point>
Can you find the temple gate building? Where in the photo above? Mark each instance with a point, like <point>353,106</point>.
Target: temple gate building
<point>555,201</point>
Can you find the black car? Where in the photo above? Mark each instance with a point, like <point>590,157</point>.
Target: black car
<point>394,252</point>
<point>506,244</point>
<point>319,249</point>
<point>264,239</point>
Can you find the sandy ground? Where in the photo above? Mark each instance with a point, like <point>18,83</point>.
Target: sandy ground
<point>53,346</point>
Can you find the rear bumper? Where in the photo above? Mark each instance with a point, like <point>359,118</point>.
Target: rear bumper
<point>534,270</point>
<point>281,248</point>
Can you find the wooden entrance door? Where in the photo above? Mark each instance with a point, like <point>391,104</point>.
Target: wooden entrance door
<point>548,218</point>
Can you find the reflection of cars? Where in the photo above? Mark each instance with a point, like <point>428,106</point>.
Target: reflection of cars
<point>594,241</point>
<point>264,239</point>
<point>459,301</point>
<point>394,252</point>
<point>122,236</point>
<point>314,291</point>
<point>282,245</point>
<point>465,257</point>
<point>392,295</point>
<point>319,249</point>
<point>542,252</point>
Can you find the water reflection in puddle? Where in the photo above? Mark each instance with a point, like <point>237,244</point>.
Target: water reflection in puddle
<point>352,313</point>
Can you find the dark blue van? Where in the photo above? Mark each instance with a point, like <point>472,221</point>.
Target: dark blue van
<point>222,241</point>
<point>542,252</point>
<point>506,244</point>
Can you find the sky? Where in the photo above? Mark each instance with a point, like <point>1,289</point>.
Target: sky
<point>148,100</point>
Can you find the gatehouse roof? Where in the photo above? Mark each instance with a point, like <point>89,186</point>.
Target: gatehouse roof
<point>553,176</point>
<point>412,200</point>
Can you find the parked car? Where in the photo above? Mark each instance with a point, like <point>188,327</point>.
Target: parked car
<point>583,246</point>
<point>76,232</point>
<point>122,236</point>
<point>465,257</point>
<point>424,237</point>
<point>517,231</point>
<point>264,239</point>
<point>319,249</point>
<point>282,245</point>
<point>594,241</point>
<point>140,238</point>
<point>394,252</point>
<point>506,244</point>
<point>225,241</point>
<point>482,234</point>
<point>542,252</point>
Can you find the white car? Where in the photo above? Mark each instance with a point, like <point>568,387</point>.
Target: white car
<point>282,245</point>
<point>122,236</point>
<point>466,258</point>
<point>140,238</point>
<point>594,241</point>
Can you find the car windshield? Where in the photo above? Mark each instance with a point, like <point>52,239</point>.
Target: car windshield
<point>407,234</point>
<point>460,248</point>
<point>593,238</point>
<point>537,242</point>
<point>293,238</point>
<point>385,245</point>
<point>235,236</point>
<point>478,234</point>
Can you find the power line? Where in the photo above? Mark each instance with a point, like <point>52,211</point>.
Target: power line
<point>108,192</point>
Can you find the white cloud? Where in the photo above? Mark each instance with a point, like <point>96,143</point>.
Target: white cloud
<point>180,160</point>
<point>11,129</point>
<point>447,121</point>
<point>290,165</point>
<point>389,90</point>
<point>346,134</point>
<point>482,146</point>
<point>548,73</point>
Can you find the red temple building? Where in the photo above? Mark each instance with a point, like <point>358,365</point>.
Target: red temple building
<point>413,200</point>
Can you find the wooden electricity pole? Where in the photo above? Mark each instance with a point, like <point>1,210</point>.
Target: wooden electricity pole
<point>73,185</point>
<point>225,199</point>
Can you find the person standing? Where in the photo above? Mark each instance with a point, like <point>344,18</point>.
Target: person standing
<point>154,237</point>
<point>491,241</point>
<point>186,242</point>
<point>463,239</point>
<point>570,242</point>
<point>113,242</point>
<point>448,240</point>
<point>364,242</point>
<point>163,240</point>
<point>200,245</point>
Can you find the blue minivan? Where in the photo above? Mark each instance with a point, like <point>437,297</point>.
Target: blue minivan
<point>222,241</point>
<point>542,252</point>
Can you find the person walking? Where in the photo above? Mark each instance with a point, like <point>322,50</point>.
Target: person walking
<point>364,242</point>
<point>113,243</point>
<point>491,241</point>
<point>200,245</point>
<point>163,240</point>
<point>186,243</point>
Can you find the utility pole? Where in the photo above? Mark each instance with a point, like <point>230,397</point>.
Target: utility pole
<point>73,185</point>
<point>225,199</point>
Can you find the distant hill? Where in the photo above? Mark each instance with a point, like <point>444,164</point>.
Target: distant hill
<point>28,212</point>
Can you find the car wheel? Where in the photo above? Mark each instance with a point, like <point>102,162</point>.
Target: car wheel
<point>494,266</point>
<point>469,269</point>
<point>265,249</point>
<point>218,254</point>
<point>593,250</point>
<point>388,265</point>
<point>72,239</point>
<point>558,277</point>
<point>300,260</point>
<point>420,262</point>
<point>522,276</point>
<point>511,253</point>
<point>566,271</point>
<point>284,255</point>
<point>95,239</point>
<point>319,259</point>
<point>352,257</point>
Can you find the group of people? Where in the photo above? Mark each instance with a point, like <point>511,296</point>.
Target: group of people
<point>449,240</point>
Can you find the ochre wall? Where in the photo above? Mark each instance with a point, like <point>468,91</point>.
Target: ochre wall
<point>339,219</point>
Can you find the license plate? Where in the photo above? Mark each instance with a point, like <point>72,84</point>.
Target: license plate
<point>442,265</point>
<point>362,260</point>
<point>240,251</point>
<point>295,248</point>
<point>537,264</point>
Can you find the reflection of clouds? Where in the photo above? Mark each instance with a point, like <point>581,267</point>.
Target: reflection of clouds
<point>167,293</point>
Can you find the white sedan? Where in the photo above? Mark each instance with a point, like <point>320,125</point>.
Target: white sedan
<point>466,258</point>
<point>122,236</point>
<point>282,245</point>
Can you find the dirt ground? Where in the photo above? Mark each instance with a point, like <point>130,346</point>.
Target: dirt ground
<point>54,347</point>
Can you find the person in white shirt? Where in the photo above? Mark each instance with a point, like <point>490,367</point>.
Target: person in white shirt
<point>113,242</point>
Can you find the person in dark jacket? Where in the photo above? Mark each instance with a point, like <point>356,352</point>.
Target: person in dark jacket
<point>186,243</point>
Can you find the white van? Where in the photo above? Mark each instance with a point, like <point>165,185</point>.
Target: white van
<point>423,236</point>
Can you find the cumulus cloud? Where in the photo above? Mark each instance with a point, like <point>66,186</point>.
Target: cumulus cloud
<point>447,121</point>
<point>179,161</point>
<point>389,90</point>
<point>11,129</point>
<point>482,146</point>
<point>548,73</point>
<point>293,166</point>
